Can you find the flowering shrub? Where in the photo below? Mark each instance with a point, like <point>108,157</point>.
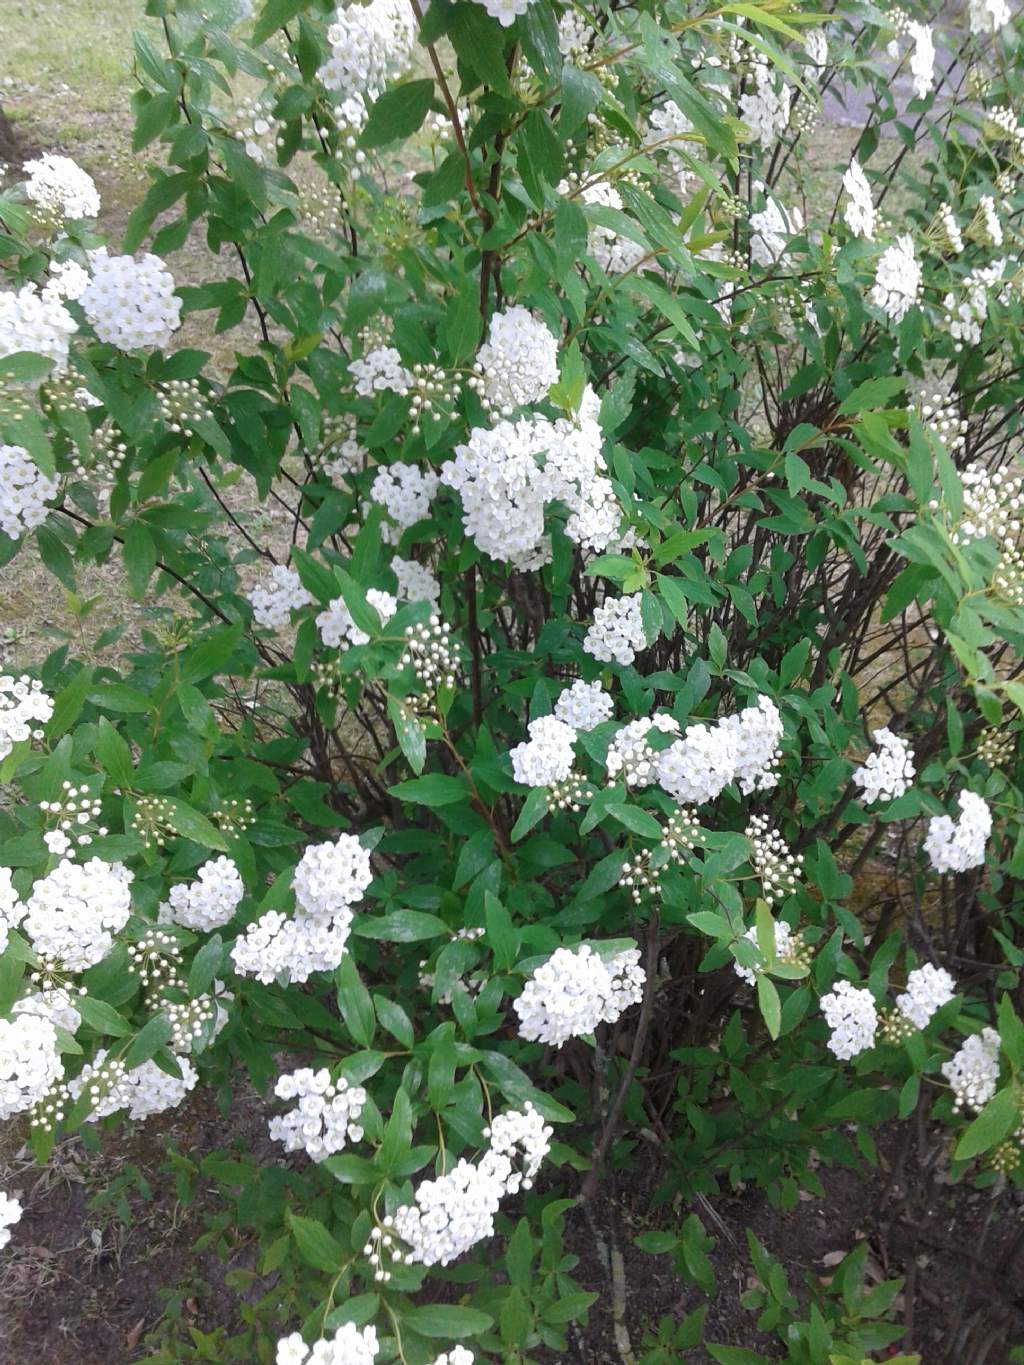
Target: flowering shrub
<point>596,551</point>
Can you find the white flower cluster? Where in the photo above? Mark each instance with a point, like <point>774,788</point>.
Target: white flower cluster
<point>11,908</point>
<point>74,912</point>
<point>973,1071</point>
<point>547,756</point>
<point>583,706</point>
<point>23,707</point>
<point>275,597</point>
<point>851,1015</point>
<point>887,773</point>
<point>455,1211</point>
<point>328,880</point>
<point>788,948</point>
<point>10,1213</point>
<point>68,280</point>
<point>53,1003</point>
<point>326,1116</point>
<point>922,58</point>
<point>60,189</point>
<point>144,1091</point>
<point>30,321</point>
<point>897,279</point>
<point>770,231</point>
<point>379,371</point>
<point>350,1345</point>
<point>766,107</point>
<point>668,124</point>
<point>928,989</point>
<point>959,846</point>
<point>631,757</point>
<point>211,900</point>
<point>24,492</point>
<point>988,16</point>
<point>617,633</point>
<point>131,303</point>
<point>967,313</point>
<point>743,748</point>
<point>405,492</point>
<point>505,11</point>
<point>29,1062</point>
<point>369,44</point>
<point>415,581</point>
<point>574,991</point>
<point>518,362</point>
<point>337,628</point>
<point>859,209</point>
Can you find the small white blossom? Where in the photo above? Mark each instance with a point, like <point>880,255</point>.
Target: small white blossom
<point>859,210</point>
<point>73,913</point>
<point>30,321</point>
<point>959,846</point>
<point>897,279</point>
<point>928,989</point>
<point>24,706</point>
<point>617,633</point>
<point>369,45</point>
<point>988,17</point>
<point>547,757</point>
<point>337,628</point>
<point>887,773</point>
<point>584,705</point>
<point>851,1015</point>
<point>505,11</point>
<point>518,362</point>
<point>211,900</point>
<point>973,1072</point>
<point>574,991</point>
<point>60,189</point>
<point>10,1213</point>
<point>325,1118</point>
<point>131,303</point>
<point>380,370</point>
<point>275,597</point>
<point>30,1063</point>
<point>415,582</point>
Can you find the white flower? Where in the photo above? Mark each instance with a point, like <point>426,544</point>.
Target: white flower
<point>887,774</point>
<point>211,900</point>
<point>55,1003</point>
<point>458,1355</point>
<point>30,321</point>
<point>505,11</point>
<point>24,492</point>
<point>928,989</point>
<point>993,505</point>
<point>30,1063</point>
<point>518,363</point>
<point>897,280</point>
<point>380,370</point>
<point>131,303</point>
<point>23,707</point>
<point>74,911</point>
<point>369,45</point>
<point>766,107</point>
<point>573,35</point>
<point>859,210</point>
<point>547,757</point>
<point>68,280</point>
<point>757,732</point>
<point>816,46</point>
<point>699,766</point>
<point>275,597</point>
<point>61,189</point>
<point>337,628</point>
<point>617,633</point>
<point>630,756</point>
<point>331,877</point>
<point>405,492</point>
<point>988,16</point>
<point>10,1213</point>
<point>922,59</point>
<point>973,1072</point>
<point>415,581</point>
<point>574,991</point>
<point>325,1118</point>
<point>770,231</point>
<point>584,705</point>
<point>960,846</point>
<point>785,944</point>
<point>12,908</point>
<point>851,1015</point>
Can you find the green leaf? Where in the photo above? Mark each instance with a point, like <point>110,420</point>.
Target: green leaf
<point>447,1320</point>
<point>502,938</point>
<point>995,1122</point>
<point>397,113</point>
<point>535,807</point>
<point>101,1017</point>
<point>150,1039</point>
<point>113,754</point>
<point>317,1246</point>
<point>480,42</point>
<point>768,1000</point>
<point>354,1002</point>
<point>401,926</point>
<point>206,964</point>
<point>435,790</point>
<point>636,819</point>
<point>191,824</point>
<point>569,1307</point>
<point>274,15</point>
<point>68,704</point>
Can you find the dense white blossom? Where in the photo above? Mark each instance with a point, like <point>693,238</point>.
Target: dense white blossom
<point>144,1091</point>
<point>60,189</point>
<point>630,755</point>
<point>369,45</point>
<point>337,628</point>
<point>973,1071</point>
<point>770,231</point>
<point>378,371</point>
<point>405,492</point>
<point>757,731</point>
<point>922,58</point>
<point>30,321</point>
<point>617,633</point>
<point>131,303</point>
<point>24,706</point>
<point>967,312</point>
<point>988,16</point>
<point>24,492</point>
<point>993,505</point>
<point>211,900</point>
<point>928,989</point>
<point>547,757</point>
<point>505,11</point>
<point>959,846</point>
<point>851,1015</point>
<point>584,705</point>
<point>350,1345</point>
<point>276,596</point>
<point>68,280</point>
<point>30,1063</point>
<point>897,279</point>
<point>331,877</point>
<point>573,35</point>
<point>574,991</point>
<point>55,1003</point>
<point>666,126</point>
<point>787,944</point>
<point>325,1117</point>
<point>743,747</point>
<point>415,581</point>
<point>612,252</point>
<point>518,362</point>
<point>10,1213</point>
<point>888,772</point>
<point>73,913</point>
<point>859,209</point>
<point>455,1211</point>
<point>12,908</point>
<point>765,108</point>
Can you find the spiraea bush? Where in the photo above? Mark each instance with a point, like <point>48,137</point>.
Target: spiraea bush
<point>575,711</point>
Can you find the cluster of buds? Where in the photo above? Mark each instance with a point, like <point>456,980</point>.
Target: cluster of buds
<point>380,1245</point>
<point>325,675</point>
<point>152,820</point>
<point>234,814</point>
<point>188,1020</point>
<point>995,746</point>
<point>643,873</point>
<point>894,1026</point>
<point>65,393</point>
<point>943,233</point>
<point>940,416</point>
<point>154,959</point>
<point>375,334</point>
<point>572,793</point>
<point>804,117</point>
<point>49,1112</point>
<point>183,405</point>
<point>75,815</point>
<point>14,405</point>
<point>730,205</point>
<point>106,454</point>
<point>432,388</point>
<point>323,211</point>
<point>778,868</point>
<point>641,876</point>
<point>431,654</point>
<point>1008,578</point>
<point>1006,1157</point>
<point>253,124</point>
